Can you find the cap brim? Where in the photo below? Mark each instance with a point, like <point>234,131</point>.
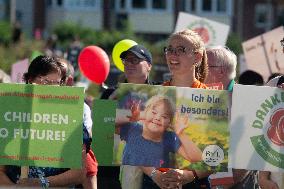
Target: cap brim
<point>124,53</point>
<point>137,54</point>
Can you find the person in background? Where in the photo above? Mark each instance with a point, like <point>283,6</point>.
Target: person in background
<point>222,68</point>
<point>251,77</point>
<point>187,61</point>
<point>43,70</point>
<point>222,65</point>
<point>269,180</point>
<point>4,78</point>
<point>51,48</point>
<point>73,52</point>
<point>244,178</point>
<point>17,32</point>
<point>137,66</point>
<point>91,163</point>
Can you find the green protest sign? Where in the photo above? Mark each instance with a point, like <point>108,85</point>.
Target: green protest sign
<point>103,130</point>
<point>41,125</point>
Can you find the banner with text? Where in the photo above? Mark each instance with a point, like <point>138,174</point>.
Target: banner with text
<point>172,127</point>
<point>257,129</point>
<point>41,125</point>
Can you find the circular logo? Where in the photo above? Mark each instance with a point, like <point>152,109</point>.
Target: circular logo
<point>3,133</point>
<point>275,132</point>
<point>270,120</point>
<point>205,30</point>
<point>213,155</point>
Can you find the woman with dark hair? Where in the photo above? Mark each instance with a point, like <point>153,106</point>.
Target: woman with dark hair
<point>43,70</point>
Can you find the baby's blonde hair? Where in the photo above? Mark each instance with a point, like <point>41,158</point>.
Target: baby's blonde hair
<point>154,100</point>
<point>201,70</point>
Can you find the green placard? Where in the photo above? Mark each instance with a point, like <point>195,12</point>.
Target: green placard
<point>41,125</point>
<point>103,130</point>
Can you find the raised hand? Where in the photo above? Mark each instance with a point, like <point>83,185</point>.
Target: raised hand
<point>135,111</point>
<point>180,122</point>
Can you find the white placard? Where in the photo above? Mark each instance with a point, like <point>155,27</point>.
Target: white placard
<point>264,54</point>
<point>257,128</point>
<point>212,32</point>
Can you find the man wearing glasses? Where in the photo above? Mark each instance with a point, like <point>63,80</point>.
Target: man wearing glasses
<point>222,65</point>
<point>137,66</point>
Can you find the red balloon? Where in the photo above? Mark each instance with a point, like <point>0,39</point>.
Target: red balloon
<point>94,64</point>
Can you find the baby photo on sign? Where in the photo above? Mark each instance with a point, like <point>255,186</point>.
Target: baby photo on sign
<point>150,131</point>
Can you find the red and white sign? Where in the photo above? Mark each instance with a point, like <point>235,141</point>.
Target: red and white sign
<point>212,32</point>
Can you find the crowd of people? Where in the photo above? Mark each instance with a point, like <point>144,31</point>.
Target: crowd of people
<point>192,65</point>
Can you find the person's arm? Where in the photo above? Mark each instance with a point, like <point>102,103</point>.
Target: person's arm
<point>4,180</point>
<point>265,182</point>
<point>135,116</point>
<point>155,175</point>
<point>87,119</point>
<point>188,149</point>
<point>68,178</point>
<point>189,176</point>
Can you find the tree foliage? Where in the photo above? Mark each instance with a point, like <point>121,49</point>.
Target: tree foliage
<point>5,33</point>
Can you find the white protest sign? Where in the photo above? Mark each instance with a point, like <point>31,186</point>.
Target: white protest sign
<point>212,32</point>
<point>263,53</point>
<point>257,128</point>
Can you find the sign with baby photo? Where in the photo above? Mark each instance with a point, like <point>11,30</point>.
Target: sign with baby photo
<point>257,129</point>
<point>41,125</point>
<point>172,127</point>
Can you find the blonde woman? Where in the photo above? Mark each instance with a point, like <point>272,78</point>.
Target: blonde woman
<point>187,62</point>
